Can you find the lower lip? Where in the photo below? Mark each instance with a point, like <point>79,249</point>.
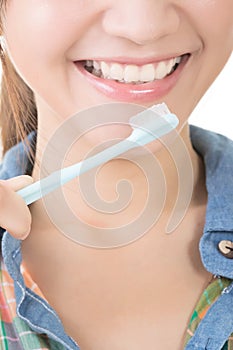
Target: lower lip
<point>146,92</point>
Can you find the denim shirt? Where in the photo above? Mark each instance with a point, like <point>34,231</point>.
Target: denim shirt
<point>217,325</point>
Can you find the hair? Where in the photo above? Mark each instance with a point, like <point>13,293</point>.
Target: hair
<point>18,113</point>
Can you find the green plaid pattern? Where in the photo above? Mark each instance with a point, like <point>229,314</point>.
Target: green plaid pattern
<point>209,296</point>
<point>15,334</point>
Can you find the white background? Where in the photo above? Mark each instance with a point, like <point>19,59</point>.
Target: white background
<point>215,110</point>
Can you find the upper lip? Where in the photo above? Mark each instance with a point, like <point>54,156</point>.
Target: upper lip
<point>133,60</point>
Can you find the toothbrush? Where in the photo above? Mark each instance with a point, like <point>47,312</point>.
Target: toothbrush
<point>148,125</point>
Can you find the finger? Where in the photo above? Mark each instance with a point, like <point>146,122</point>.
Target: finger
<point>18,182</point>
<point>15,216</point>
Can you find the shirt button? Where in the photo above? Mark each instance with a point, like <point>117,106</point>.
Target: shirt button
<point>226,248</point>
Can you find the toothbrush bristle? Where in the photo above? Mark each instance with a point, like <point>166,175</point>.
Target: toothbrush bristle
<point>149,115</point>
<point>152,123</point>
<point>161,109</point>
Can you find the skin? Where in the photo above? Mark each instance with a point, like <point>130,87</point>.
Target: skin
<point>20,226</point>
<point>70,33</point>
<point>53,35</point>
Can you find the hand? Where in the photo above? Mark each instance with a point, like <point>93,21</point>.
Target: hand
<point>15,216</point>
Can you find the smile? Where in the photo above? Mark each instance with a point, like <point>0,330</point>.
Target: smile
<point>125,73</point>
<point>124,81</point>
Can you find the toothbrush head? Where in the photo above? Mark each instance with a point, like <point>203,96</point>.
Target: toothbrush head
<point>152,123</point>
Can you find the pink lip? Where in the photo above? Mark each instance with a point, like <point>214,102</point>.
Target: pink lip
<point>146,92</point>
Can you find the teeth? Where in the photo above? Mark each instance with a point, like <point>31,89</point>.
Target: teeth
<point>161,71</point>
<point>117,71</point>
<point>96,69</point>
<point>96,65</point>
<point>177,59</point>
<point>147,73</point>
<point>171,64</point>
<point>89,63</point>
<point>105,69</point>
<point>132,73</point>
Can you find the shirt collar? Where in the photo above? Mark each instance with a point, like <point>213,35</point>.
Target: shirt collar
<point>217,153</point>
<point>16,160</point>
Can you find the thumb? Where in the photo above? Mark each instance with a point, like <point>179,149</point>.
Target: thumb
<point>15,216</point>
<point>18,182</point>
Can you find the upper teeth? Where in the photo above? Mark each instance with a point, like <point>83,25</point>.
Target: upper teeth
<point>132,73</point>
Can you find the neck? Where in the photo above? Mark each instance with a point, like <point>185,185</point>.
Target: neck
<point>45,249</point>
<point>96,199</point>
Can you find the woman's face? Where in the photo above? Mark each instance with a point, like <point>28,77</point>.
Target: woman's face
<point>143,51</point>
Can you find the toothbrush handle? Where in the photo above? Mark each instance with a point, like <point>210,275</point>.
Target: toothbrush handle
<point>58,178</point>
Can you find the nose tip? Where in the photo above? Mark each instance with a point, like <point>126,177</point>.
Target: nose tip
<point>141,22</point>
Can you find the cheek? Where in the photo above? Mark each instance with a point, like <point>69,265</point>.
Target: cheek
<point>39,37</point>
<point>214,19</point>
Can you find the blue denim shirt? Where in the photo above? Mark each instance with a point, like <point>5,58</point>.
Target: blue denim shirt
<point>217,325</point>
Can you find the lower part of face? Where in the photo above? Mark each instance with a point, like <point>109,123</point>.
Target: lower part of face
<point>78,54</point>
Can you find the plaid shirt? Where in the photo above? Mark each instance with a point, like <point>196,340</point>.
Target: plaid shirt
<point>15,334</point>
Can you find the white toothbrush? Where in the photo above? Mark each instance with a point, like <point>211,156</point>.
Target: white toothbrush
<point>148,125</point>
